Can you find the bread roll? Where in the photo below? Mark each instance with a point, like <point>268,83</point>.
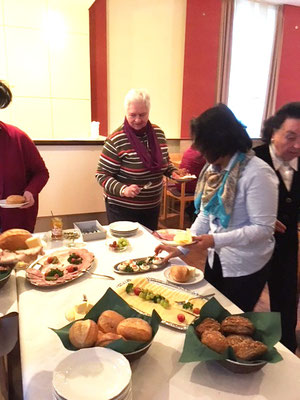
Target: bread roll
<point>179,273</point>
<point>14,239</point>
<point>235,324</point>
<point>214,340</point>
<point>208,324</point>
<point>109,320</point>
<point>15,199</point>
<point>104,339</point>
<point>83,333</point>
<point>135,329</point>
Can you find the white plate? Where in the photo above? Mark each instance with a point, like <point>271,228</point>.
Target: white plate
<point>197,278</point>
<point>4,205</point>
<point>89,371</point>
<point>186,178</point>
<point>123,226</point>
<point>162,232</point>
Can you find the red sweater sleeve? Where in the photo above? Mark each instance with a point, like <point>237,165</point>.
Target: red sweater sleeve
<point>36,170</point>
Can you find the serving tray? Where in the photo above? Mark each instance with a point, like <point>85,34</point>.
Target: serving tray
<point>175,288</point>
<point>152,267</point>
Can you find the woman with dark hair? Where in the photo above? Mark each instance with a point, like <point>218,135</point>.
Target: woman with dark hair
<point>237,198</point>
<point>281,134</point>
<point>22,172</point>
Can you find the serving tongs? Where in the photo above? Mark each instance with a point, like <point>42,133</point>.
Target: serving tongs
<point>200,296</point>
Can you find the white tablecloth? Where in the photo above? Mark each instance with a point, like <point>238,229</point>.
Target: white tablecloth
<point>156,375</point>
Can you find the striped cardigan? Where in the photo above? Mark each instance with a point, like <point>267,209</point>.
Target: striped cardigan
<point>120,166</point>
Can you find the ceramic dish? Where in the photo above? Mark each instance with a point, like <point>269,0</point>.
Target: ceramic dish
<point>4,205</point>
<point>124,226</point>
<point>166,236</point>
<point>195,279</point>
<point>94,370</point>
<point>139,265</point>
<point>186,178</point>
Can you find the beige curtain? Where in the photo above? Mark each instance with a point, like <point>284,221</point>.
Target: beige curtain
<point>274,67</point>
<point>224,56</point>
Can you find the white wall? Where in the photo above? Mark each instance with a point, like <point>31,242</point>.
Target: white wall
<point>44,57</point>
<point>146,49</point>
<point>72,187</point>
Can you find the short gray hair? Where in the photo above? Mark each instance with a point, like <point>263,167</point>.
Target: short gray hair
<point>136,95</point>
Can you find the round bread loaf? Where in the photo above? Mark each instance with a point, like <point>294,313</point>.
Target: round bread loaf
<point>106,338</point>
<point>214,340</point>
<point>179,273</point>
<point>135,329</point>
<point>14,239</point>
<point>83,333</point>
<point>235,324</point>
<point>15,199</point>
<point>109,320</point>
<point>208,324</point>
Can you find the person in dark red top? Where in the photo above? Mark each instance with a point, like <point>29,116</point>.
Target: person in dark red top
<point>192,161</point>
<point>22,172</point>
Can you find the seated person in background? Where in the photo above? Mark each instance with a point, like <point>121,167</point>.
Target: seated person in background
<point>193,162</point>
<point>22,172</point>
<point>134,155</point>
<point>281,134</point>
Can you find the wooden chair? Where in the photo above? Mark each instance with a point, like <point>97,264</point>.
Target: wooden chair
<point>171,192</point>
<point>176,159</point>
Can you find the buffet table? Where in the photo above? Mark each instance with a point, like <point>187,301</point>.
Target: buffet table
<point>157,374</point>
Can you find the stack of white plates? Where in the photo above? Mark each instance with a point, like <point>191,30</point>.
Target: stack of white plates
<point>124,228</point>
<point>95,373</point>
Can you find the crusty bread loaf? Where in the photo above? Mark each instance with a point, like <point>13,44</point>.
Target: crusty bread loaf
<point>238,325</point>
<point>104,339</point>
<point>109,320</point>
<point>14,239</point>
<point>135,329</point>
<point>83,333</point>
<point>179,273</point>
<point>208,324</point>
<point>15,199</point>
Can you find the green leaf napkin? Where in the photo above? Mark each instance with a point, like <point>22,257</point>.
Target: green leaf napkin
<point>267,330</point>
<point>112,301</point>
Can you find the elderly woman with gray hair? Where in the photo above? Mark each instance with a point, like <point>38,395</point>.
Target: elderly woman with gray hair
<point>132,164</point>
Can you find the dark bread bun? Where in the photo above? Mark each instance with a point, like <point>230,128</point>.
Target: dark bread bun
<point>208,324</point>
<point>235,324</point>
<point>135,329</point>
<point>14,239</point>
<point>214,340</point>
<point>15,199</point>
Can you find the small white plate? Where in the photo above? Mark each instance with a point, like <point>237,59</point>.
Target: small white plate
<point>89,371</point>
<point>186,178</point>
<point>197,278</point>
<point>123,226</point>
<point>4,205</point>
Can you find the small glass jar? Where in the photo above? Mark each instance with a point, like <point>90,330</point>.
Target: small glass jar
<point>57,228</point>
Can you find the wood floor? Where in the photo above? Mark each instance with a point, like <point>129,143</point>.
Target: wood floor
<point>198,260</point>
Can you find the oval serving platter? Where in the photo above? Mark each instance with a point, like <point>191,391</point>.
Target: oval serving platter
<point>177,289</point>
<point>140,264</point>
<point>34,273</point>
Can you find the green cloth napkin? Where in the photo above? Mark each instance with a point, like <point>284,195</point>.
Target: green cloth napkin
<point>112,301</point>
<point>267,330</point>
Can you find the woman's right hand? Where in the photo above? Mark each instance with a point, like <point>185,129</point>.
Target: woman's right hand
<point>173,251</point>
<point>131,191</point>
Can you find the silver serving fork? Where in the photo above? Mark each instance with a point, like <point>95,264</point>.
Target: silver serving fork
<point>200,296</point>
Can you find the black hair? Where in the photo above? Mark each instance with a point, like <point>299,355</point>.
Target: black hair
<point>272,124</point>
<point>5,95</point>
<point>217,133</point>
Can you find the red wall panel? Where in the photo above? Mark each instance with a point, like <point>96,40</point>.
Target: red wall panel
<point>289,73</point>
<point>98,64</point>
<point>200,59</point>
